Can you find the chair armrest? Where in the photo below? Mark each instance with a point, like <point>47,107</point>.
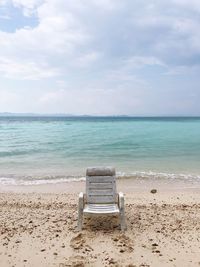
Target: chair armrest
<point>121,200</point>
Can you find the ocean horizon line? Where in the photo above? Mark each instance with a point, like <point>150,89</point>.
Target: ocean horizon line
<point>10,114</point>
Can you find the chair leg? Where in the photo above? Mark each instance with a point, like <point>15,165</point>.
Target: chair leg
<point>122,211</point>
<point>122,220</point>
<point>80,211</point>
<point>80,219</point>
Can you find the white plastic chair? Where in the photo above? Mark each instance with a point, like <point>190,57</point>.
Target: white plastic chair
<point>101,197</point>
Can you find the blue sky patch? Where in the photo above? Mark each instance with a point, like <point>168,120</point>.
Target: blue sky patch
<point>12,19</point>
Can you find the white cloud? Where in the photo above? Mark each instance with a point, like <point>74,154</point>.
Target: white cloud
<point>28,49</point>
<point>86,59</point>
<point>141,61</point>
<point>28,6</point>
<point>168,29</point>
<point>124,71</point>
<point>3,2</point>
<point>191,4</point>
<point>183,70</point>
<point>27,3</point>
<point>26,70</point>
<point>99,51</point>
<point>65,37</point>
<point>107,4</point>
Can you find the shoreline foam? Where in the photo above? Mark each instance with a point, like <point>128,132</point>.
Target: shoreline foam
<point>138,175</point>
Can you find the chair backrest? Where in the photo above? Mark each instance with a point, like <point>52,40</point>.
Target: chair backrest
<point>100,185</point>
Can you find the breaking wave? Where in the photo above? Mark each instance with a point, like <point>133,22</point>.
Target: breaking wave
<point>51,179</point>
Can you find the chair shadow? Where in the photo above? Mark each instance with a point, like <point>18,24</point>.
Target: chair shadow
<point>102,223</point>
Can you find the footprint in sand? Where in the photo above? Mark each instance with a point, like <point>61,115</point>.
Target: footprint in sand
<point>78,241</point>
<point>124,243</point>
<point>76,261</point>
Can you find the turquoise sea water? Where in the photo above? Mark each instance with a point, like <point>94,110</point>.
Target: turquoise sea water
<point>53,149</point>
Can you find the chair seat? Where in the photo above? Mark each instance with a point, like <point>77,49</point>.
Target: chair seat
<point>101,208</point>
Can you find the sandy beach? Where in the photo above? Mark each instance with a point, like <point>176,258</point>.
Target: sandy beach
<point>38,227</point>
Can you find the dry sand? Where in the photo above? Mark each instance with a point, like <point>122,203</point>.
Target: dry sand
<point>38,227</point>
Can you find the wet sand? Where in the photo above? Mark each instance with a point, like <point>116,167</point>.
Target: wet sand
<point>38,227</point>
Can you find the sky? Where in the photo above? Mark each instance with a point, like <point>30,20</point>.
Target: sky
<point>100,57</point>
